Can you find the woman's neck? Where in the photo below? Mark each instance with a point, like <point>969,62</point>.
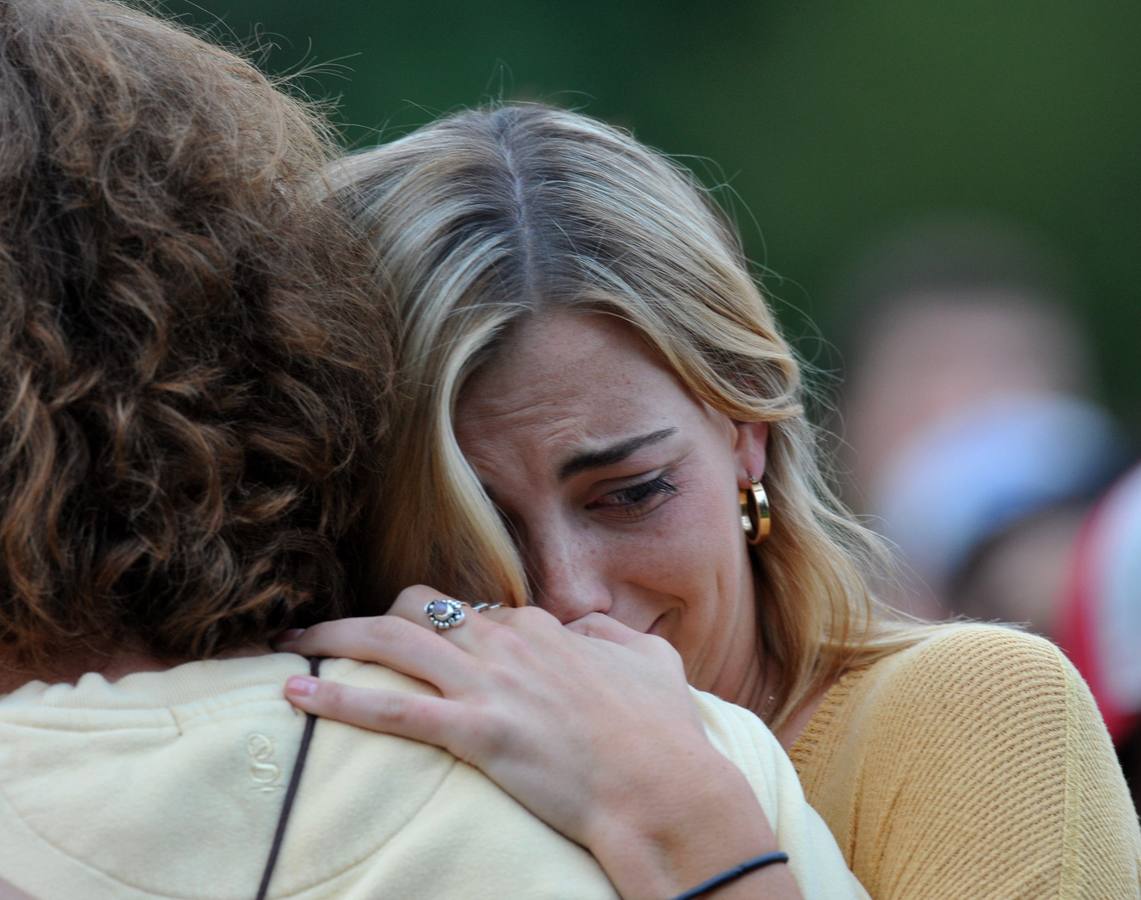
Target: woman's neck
<point>801,716</point>
<point>757,690</point>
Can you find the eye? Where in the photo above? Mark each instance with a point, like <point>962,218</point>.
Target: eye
<point>636,500</point>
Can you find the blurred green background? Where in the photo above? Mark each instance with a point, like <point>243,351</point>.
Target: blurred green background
<point>832,124</point>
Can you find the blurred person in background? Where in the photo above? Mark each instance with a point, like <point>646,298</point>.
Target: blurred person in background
<point>193,364</point>
<point>1099,622</point>
<point>974,443</point>
<point>598,421</point>
<point>970,431</point>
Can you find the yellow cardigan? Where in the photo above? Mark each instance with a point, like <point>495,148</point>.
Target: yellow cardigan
<point>972,765</point>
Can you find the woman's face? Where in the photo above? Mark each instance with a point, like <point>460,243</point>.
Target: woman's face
<point>621,489</point>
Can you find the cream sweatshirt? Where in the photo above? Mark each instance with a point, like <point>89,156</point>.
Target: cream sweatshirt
<point>170,784</point>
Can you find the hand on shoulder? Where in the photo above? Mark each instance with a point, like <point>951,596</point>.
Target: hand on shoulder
<point>591,726</point>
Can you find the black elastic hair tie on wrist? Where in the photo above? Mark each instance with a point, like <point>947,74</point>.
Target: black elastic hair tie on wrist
<point>749,865</point>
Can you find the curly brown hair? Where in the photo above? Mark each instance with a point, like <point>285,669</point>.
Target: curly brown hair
<point>192,368</point>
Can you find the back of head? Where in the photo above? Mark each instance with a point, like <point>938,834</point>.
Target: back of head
<point>190,364</point>
<point>488,218</point>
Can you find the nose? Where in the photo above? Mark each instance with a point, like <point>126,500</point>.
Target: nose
<point>568,576</point>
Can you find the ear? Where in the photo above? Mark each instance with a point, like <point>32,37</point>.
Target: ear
<point>750,450</point>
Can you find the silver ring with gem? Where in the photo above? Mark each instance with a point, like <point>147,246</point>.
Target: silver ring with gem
<point>445,613</point>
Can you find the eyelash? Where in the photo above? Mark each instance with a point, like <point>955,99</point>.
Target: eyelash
<point>637,497</point>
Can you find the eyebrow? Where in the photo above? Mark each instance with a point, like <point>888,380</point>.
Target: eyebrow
<point>607,456</point>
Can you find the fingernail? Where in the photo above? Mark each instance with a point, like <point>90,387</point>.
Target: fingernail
<point>291,635</point>
<point>300,686</point>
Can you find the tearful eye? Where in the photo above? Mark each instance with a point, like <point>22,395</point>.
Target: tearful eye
<point>637,499</point>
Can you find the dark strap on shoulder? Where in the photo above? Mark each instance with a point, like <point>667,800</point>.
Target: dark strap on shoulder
<point>290,793</point>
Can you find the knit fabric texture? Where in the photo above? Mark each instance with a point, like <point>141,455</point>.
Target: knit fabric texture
<point>973,764</point>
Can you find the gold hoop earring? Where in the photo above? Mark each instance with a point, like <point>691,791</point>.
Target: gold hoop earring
<point>756,517</point>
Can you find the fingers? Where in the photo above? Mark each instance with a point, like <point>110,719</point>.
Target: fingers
<point>459,660</point>
<point>431,720</point>
<point>405,640</point>
<point>389,641</point>
<point>410,603</point>
<point>604,628</point>
<point>480,631</point>
<point>410,606</point>
<point>601,626</point>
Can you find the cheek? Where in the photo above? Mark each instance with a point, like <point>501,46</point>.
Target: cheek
<point>692,550</point>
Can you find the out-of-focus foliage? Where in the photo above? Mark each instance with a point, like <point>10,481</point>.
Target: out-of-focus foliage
<point>832,123</point>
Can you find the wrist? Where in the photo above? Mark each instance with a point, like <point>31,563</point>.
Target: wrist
<point>676,828</point>
<point>734,874</point>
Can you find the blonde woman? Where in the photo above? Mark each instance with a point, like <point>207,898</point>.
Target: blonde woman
<point>597,419</point>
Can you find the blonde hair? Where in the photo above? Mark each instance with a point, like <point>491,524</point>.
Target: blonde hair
<point>488,217</point>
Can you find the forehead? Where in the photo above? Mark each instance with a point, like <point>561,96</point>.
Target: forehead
<point>570,378</point>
